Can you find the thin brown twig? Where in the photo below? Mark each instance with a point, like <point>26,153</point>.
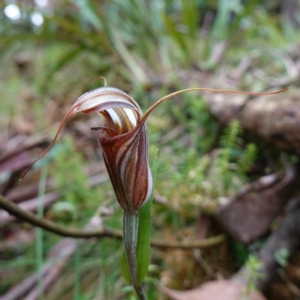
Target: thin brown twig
<point>102,232</point>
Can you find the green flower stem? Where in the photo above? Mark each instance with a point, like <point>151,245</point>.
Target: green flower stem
<point>130,234</point>
<point>140,292</point>
<point>130,237</point>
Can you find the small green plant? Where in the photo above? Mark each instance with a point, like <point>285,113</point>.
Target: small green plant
<point>72,181</point>
<point>232,162</point>
<point>253,267</point>
<point>281,256</point>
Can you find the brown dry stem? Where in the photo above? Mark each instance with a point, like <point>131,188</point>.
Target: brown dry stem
<point>101,232</point>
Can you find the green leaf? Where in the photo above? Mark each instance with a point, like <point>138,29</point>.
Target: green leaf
<point>88,11</point>
<point>124,268</point>
<point>174,33</point>
<point>143,245</point>
<point>66,58</point>
<point>190,16</point>
<point>129,59</point>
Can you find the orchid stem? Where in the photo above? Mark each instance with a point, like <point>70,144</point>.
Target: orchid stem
<point>140,292</point>
<point>130,235</point>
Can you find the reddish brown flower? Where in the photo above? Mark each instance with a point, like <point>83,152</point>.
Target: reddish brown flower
<point>123,140</point>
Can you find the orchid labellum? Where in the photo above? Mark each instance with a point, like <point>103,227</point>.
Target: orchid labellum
<point>124,143</point>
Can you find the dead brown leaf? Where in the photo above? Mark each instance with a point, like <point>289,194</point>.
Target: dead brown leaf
<point>215,290</point>
<point>249,215</point>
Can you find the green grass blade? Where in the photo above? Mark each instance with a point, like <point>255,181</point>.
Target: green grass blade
<point>174,33</point>
<point>89,12</point>
<point>190,16</point>
<point>39,234</point>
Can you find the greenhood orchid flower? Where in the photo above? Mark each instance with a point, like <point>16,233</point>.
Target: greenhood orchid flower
<point>124,144</point>
<point>123,140</point>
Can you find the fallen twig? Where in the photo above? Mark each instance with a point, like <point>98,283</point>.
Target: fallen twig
<point>28,206</point>
<point>102,232</point>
